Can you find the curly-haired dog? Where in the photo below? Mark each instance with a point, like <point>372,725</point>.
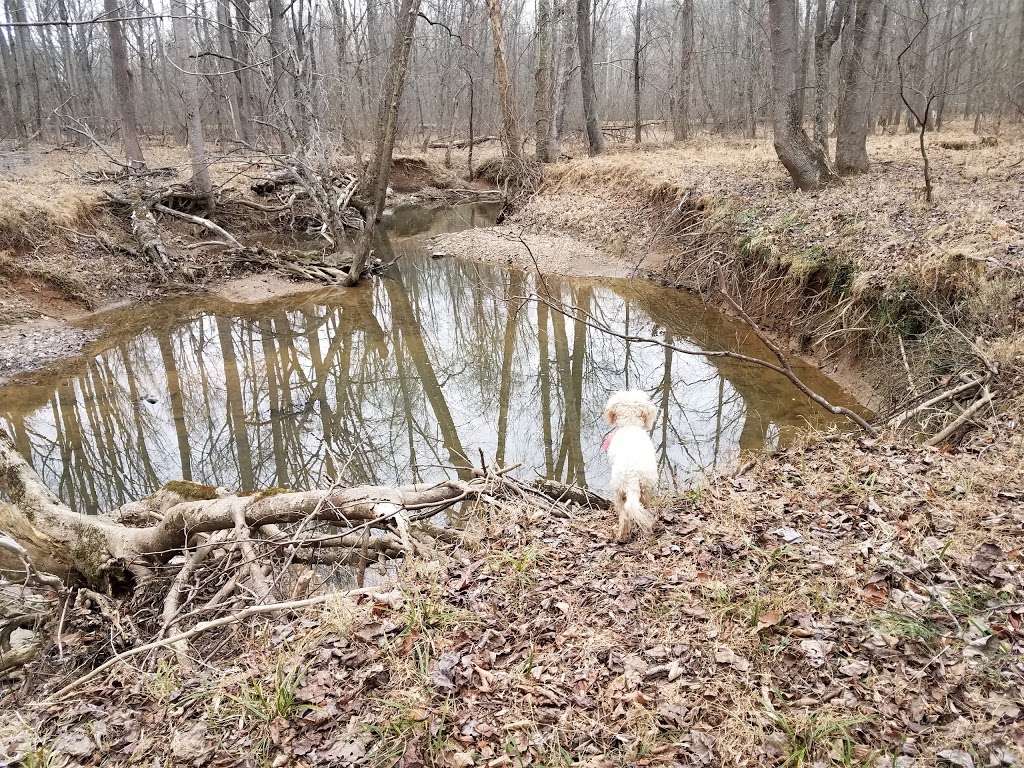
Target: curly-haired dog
<point>631,455</point>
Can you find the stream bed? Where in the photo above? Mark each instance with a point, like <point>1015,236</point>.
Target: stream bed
<point>405,378</point>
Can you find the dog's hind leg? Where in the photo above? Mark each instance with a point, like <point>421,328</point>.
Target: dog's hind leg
<point>634,512</point>
<point>625,522</point>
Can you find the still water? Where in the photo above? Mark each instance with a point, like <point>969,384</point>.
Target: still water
<point>403,379</point>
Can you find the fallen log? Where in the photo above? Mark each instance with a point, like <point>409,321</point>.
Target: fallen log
<point>561,492</point>
<point>53,535</point>
<point>146,231</point>
<point>461,143</point>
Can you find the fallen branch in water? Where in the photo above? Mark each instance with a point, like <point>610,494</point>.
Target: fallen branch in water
<point>786,369</point>
<point>783,368</point>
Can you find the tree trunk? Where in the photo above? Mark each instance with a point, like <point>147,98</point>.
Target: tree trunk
<point>806,163</point>
<point>751,106</point>
<point>595,139</point>
<point>123,95</point>
<point>637,122</point>
<point>805,55</point>
<point>681,123</point>
<point>542,82</point>
<point>852,122</point>
<point>230,46</point>
<point>509,127</point>
<point>827,29</point>
<point>1020,61</point>
<point>281,90</point>
<point>918,73</point>
<point>10,82</point>
<point>565,73</point>
<point>387,125</point>
<point>951,59</point>
<point>188,92</point>
<point>21,44</point>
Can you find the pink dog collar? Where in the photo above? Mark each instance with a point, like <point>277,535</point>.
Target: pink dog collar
<point>607,440</point>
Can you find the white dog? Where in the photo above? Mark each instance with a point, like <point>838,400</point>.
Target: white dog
<point>631,454</point>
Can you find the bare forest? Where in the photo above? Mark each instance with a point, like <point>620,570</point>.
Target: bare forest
<point>227,76</point>
<point>312,318</point>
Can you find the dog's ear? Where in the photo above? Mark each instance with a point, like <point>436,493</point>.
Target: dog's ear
<point>649,415</point>
<point>610,414</point>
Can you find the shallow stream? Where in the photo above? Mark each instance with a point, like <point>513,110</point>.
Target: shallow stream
<point>402,379</point>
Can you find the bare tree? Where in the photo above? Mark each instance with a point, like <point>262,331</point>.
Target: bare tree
<point>918,101</point>
<point>542,99</point>
<point>828,26</point>
<point>584,41</point>
<point>806,163</point>
<point>123,91</point>
<point>913,77</point>
<point>681,121</point>
<point>379,171</point>
<point>188,92</point>
<point>637,48</point>
<point>565,72</point>
<point>858,75</point>
<point>509,124</point>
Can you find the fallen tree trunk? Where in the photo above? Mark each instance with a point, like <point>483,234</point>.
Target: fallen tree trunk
<point>208,552</point>
<point>146,231</point>
<point>102,551</point>
<point>461,143</point>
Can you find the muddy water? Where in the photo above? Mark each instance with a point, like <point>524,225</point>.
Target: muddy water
<point>402,379</point>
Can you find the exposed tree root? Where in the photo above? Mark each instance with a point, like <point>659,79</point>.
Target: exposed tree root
<point>199,554</point>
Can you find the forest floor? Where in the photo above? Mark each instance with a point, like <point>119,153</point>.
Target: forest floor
<point>844,602</point>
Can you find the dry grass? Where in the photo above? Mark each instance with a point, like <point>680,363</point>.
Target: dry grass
<point>30,216</point>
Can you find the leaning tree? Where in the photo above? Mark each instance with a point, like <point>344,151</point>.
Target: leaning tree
<point>804,160</point>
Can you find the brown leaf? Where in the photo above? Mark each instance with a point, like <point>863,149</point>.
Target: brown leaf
<point>767,619</point>
<point>725,655</point>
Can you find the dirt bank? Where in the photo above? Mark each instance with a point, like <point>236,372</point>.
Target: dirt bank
<point>846,273</point>
<point>67,254</point>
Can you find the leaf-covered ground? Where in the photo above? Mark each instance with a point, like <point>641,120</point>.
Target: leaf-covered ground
<point>841,603</point>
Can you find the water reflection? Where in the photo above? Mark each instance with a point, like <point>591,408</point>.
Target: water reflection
<point>405,378</point>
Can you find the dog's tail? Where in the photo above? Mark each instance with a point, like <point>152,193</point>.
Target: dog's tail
<point>634,510</point>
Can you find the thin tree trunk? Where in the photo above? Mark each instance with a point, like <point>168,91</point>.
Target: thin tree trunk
<point>637,121</point>
<point>387,126</point>
<point>21,44</point>
<point>542,82</point>
<point>806,163</point>
<point>595,139</point>
<point>509,127</point>
<point>852,121</point>
<point>231,46</point>
<point>188,91</point>
<point>827,30</point>
<point>282,90</point>
<point>681,123</point>
<point>565,73</point>
<point>123,95</point>
<point>805,55</point>
<point>918,73</point>
<point>748,99</point>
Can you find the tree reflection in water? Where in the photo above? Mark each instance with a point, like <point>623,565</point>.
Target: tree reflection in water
<point>404,378</point>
